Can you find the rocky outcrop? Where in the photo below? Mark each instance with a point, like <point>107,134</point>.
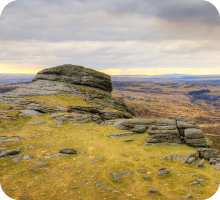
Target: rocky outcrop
<point>175,130</point>
<point>76,75</point>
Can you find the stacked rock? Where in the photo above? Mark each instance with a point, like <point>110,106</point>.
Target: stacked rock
<point>190,132</point>
<point>164,132</point>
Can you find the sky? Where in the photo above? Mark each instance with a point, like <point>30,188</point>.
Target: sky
<point>126,37</point>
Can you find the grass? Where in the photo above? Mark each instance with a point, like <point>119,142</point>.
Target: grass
<point>55,180</point>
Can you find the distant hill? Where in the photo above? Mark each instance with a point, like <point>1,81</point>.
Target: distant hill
<point>15,78</point>
<point>170,78</point>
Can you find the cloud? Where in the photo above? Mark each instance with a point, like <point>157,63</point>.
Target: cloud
<point>110,34</point>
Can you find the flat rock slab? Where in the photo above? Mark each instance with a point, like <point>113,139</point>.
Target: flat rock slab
<point>123,134</point>
<point>163,171</point>
<point>96,159</point>
<point>27,157</point>
<point>129,140</point>
<point>6,139</point>
<point>37,122</point>
<point>40,163</point>
<point>16,159</point>
<point>9,152</point>
<point>68,151</point>
<point>108,188</point>
<point>189,155</point>
<point>28,113</point>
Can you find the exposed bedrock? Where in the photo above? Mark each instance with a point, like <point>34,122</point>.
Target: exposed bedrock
<point>76,75</point>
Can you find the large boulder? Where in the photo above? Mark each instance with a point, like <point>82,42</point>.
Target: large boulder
<point>207,153</point>
<point>76,75</point>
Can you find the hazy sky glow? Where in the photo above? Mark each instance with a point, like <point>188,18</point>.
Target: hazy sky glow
<point>116,37</point>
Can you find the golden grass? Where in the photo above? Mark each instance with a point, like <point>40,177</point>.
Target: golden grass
<point>55,180</point>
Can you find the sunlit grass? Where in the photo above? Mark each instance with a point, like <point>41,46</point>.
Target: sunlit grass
<point>56,179</point>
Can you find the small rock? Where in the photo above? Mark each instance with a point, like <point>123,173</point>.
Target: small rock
<point>191,160</point>
<point>68,151</point>
<point>196,189</point>
<point>131,171</point>
<point>189,155</point>
<point>129,140</point>
<point>31,147</point>
<point>117,191</point>
<point>108,188</point>
<point>201,163</point>
<point>16,159</point>
<point>46,156</point>
<point>27,157</point>
<point>9,152</point>
<point>146,176</point>
<point>152,190</point>
<point>147,148</point>
<point>122,171</point>
<point>99,183</point>
<point>124,154</point>
<point>84,180</point>
<point>24,197</point>
<point>111,171</point>
<point>174,157</point>
<point>116,177</point>
<point>163,171</point>
<point>217,166</point>
<point>96,159</point>
<point>40,163</point>
<point>188,196</point>
<point>74,186</point>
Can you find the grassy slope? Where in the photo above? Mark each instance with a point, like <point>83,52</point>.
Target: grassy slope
<point>55,180</point>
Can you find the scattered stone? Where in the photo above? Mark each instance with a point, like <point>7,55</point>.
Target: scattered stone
<point>124,154</point>
<point>68,151</point>
<point>197,182</point>
<point>111,171</point>
<point>74,186</point>
<point>218,182</point>
<point>196,189</point>
<point>189,155</point>
<point>217,166</point>
<point>201,163</point>
<point>116,177</point>
<point>40,163</point>
<point>96,159</point>
<point>207,153</point>
<point>174,157</point>
<point>129,140</point>
<point>146,176</point>
<point>196,175</point>
<point>147,148</point>
<point>122,171</point>
<point>46,156</point>
<point>84,180</point>
<point>9,152</point>
<point>179,157</point>
<point>131,171</point>
<point>99,183</point>
<point>108,188</point>
<point>117,191</point>
<point>163,171</point>
<point>37,122</point>
<point>113,135</point>
<point>30,147</point>
<point>24,197</point>
<point>6,139</point>
<point>191,160</point>
<point>153,191</point>
<point>27,157</point>
<point>28,113</point>
<point>188,196</point>
<point>214,161</point>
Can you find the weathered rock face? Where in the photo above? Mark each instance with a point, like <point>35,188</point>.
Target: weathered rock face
<point>76,75</point>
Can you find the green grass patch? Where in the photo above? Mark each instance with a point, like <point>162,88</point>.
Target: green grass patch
<point>54,181</point>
